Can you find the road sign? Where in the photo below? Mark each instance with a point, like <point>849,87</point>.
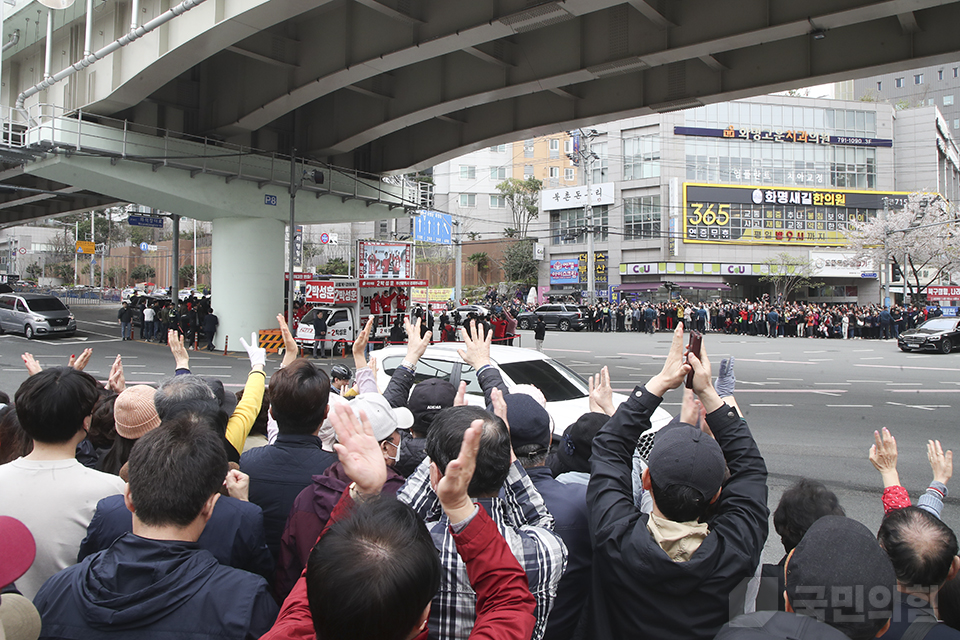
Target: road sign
<point>22,250</point>
<point>84,246</point>
<point>270,200</point>
<point>433,226</point>
<point>146,246</point>
<point>324,238</point>
<point>145,221</point>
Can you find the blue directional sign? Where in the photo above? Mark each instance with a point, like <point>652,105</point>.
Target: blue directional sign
<point>433,226</point>
<point>145,221</point>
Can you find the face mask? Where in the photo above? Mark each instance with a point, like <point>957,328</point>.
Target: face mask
<point>397,447</point>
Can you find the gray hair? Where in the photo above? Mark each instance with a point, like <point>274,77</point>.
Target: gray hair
<point>180,389</point>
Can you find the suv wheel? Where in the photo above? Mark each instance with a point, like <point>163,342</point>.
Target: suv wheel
<point>524,324</point>
<point>945,346</point>
<point>564,325</point>
<point>28,332</point>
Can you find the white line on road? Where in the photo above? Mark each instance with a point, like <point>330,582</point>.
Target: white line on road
<point>821,359</point>
<point>913,406</point>
<point>904,384</point>
<point>622,366</point>
<point>571,350</point>
<point>762,384</point>
<point>871,381</point>
<point>771,405</point>
<point>830,383</point>
<point>787,379</point>
<point>896,366</point>
<point>815,391</point>
<point>767,353</point>
<point>851,406</point>
<point>923,390</point>
<point>211,366</point>
<point>820,351</point>
<point>873,358</point>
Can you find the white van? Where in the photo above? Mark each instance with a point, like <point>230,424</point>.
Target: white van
<point>341,329</point>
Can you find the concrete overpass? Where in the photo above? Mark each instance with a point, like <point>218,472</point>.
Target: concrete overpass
<point>382,86</point>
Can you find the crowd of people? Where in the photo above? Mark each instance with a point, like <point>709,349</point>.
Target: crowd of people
<point>301,508</point>
<point>191,317</point>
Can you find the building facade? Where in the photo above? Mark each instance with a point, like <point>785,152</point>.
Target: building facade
<point>700,201</point>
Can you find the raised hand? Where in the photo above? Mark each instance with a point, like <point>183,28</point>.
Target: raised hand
<point>116,382</point>
<point>461,398</point>
<point>941,463</point>
<point>256,353</point>
<point>79,362</point>
<point>290,349</point>
<point>477,342</point>
<point>33,367</point>
<point>601,393</point>
<point>180,355</point>
<point>883,455</point>
<point>358,450</point>
<point>674,368</point>
<point>416,344</point>
<point>237,484</point>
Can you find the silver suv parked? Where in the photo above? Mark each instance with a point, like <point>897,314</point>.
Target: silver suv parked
<point>34,314</point>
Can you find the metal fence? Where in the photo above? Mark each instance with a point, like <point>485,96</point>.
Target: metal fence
<point>84,298</point>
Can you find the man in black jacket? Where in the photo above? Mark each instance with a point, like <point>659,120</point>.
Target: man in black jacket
<point>670,574</point>
<point>540,332</point>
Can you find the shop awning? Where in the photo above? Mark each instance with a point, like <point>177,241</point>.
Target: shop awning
<point>703,285</point>
<point>557,293</point>
<point>638,286</point>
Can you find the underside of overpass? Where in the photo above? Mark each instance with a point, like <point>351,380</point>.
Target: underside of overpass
<point>389,85</point>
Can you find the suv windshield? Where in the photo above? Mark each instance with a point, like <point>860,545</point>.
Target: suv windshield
<point>46,304</point>
<point>556,381</point>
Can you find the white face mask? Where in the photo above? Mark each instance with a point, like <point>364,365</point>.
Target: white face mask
<point>397,447</point>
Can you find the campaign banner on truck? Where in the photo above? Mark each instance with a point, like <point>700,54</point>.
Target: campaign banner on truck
<point>382,260</point>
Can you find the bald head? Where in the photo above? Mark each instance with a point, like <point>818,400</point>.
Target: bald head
<point>921,547</point>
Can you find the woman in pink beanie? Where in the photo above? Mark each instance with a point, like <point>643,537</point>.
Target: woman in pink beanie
<point>135,416</point>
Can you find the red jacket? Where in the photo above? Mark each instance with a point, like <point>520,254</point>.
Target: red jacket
<point>504,603</point>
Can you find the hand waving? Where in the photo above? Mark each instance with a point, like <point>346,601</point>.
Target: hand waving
<point>358,450</point>
<point>452,487</point>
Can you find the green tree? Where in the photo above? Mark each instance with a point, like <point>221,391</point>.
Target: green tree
<point>62,270</point>
<point>186,275</point>
<point>518,263</point>
<point>481,260</point>
<point>116,276</point>
<point>33,271</point>
<point>334,267</point>
<point>789,273</point>
<point>142,273</point>
<point>141,234</point>
<point>522,197</point>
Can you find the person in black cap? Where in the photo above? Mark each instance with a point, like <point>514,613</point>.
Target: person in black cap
<point>531,437</point>
<point>426,401</point>
<point>839,584</point>
<point>670,573</point>
<point>571,462</point>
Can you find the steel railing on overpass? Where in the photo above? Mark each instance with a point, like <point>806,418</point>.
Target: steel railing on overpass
<point>52,129</point>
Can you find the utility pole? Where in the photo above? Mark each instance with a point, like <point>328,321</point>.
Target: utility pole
<point>194,253</point>
<point>291,239</point>
<point>76,239</point>
<point>458,252</point>
<point>175,266</point>
<point>93,256</point>
<point>587,157</point>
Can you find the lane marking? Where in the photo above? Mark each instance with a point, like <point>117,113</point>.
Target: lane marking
<point>787,379</point>
<point>771,405</point>
<point>904,384</point>
<point>851,406</point>
<point>829,383</point>
<point>894,366</point>
<point>570,350</point>
<point>873,358</point>
<point>871,381</point>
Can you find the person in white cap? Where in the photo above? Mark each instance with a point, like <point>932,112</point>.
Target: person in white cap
<point>313,506</point>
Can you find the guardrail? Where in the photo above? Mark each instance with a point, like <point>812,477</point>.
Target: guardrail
<point>84,298</point>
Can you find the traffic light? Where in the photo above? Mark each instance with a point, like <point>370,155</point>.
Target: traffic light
<point>895,271</point>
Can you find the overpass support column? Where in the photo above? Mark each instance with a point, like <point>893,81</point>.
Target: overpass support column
<point>246,276</point>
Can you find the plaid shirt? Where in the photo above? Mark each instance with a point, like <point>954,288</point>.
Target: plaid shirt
<point>525,524</point>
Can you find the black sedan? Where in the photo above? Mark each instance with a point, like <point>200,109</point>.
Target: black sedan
<point>937,334</point>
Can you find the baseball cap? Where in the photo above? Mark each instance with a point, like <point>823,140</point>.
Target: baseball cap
<point>17,549</point>
<point>429,397</point>
<point>134,413</point>
<point>577,444</point>
<point>837,557</point>
<point>383,419</point>
<point>684,455</point>
<point>529,422</point>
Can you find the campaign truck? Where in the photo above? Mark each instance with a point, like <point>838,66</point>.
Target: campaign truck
<point>346,304</point>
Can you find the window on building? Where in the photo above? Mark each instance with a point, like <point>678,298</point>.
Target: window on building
<point>468,199</point>
<point>569,174</point>
<point>956,124</point>
<point>601,163</point>
<point>879,86</point>
<point>497,202</point>
<point>528,171</point>
<point>498,173</point>
<point>468,172</point>
<point>498,148</point>
<point>929,102</point>
<point>569,226</point>
<point>568,146</point>
<point>554,172</point>
<point>918,78</point>
<point>641,157</point>
<point>554,144</point>
<point>956,72</point>
<point>898,82</point>
<point>528,148</point>
<point>948,100</point>
<point>940,74</point>
<point>641,217</point>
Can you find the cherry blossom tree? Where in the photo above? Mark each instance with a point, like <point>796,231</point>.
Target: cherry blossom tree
<point>922,238</point>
